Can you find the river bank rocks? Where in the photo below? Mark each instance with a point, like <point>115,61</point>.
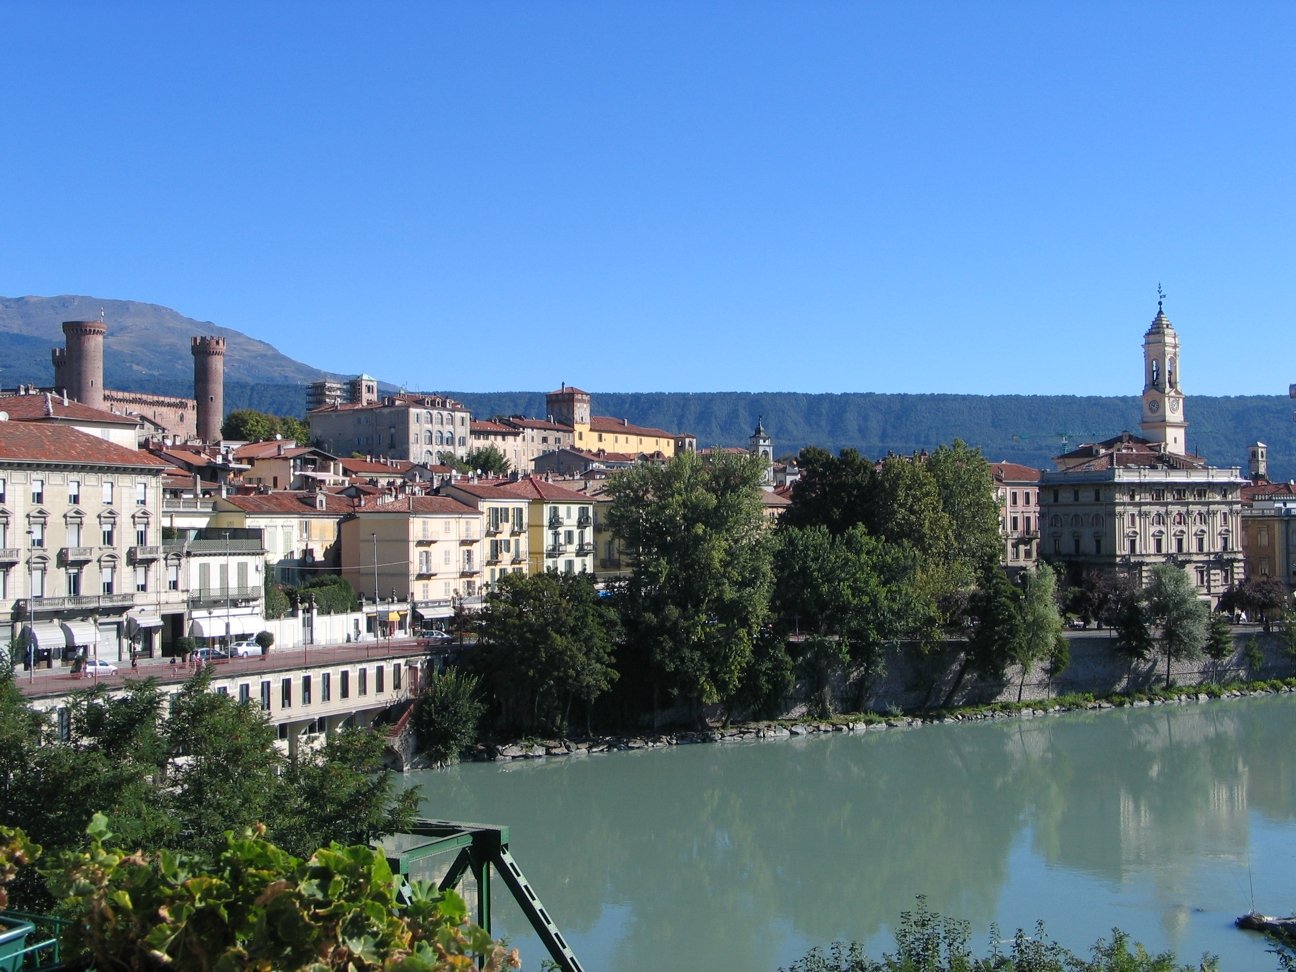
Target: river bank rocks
<point>746,732</point>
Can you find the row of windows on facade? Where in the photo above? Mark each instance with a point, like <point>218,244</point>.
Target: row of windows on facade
<point>37,531</point>
<point>438,418</point>
<point>1200,518</point>
<point>74,581</point>
<point>1027,497</point>
<point>1179,540</point>
<point>306,683</point>
<point>107,492</point>
<point>1133,495</point>
<point>286,693</point>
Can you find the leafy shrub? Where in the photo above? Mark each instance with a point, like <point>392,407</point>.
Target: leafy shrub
<point>927,942</point>
<point>446,716</point>
<point>258,907</point>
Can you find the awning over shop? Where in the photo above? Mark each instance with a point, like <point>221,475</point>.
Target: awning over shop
<point>45,635</point>
<point>80,633</point>
<point>206,624</point>
<point>135,623</point>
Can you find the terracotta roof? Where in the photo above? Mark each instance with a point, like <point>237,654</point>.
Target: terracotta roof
<point>568,389</point>
<point>31,408</point>
<point>1266,490</point>
<point>420,506</point>
<point>362,467</point>
<point>489,490</point>
<point>605,423</point>
<point>48,442</point>
<point>484,426</point>
<point>270,450</point>
<point>543,425</point>
<point>1125,451</point>
<point>294,502</point>
<point>772,497</point>
<point>533,488</point>
<point>1014,472</point>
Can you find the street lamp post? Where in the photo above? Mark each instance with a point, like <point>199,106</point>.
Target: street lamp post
<point>31,606</point>
<point>377,599</point>
<point>228,571</point>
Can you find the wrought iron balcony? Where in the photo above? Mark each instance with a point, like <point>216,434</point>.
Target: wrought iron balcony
<point>555,550</point>
<point>584,520</point>
<point>584,549</point>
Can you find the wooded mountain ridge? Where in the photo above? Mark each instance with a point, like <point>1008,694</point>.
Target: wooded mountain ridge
<point>147,350</point>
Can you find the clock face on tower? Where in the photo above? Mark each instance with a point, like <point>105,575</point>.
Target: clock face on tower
<point>1154,406</point>
<point>1174,404</point>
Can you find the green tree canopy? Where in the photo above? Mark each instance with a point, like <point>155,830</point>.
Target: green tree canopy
<point>1183,617</point>
<point>249,425</point>
<point>1041,638</point>
<point>545,642</point>
<point>699,590</point>
<point>835,492</point>
<point>178,771</point>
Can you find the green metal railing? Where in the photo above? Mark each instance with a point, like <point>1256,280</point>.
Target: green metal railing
<point>424,853</point>
<point>31,943</point>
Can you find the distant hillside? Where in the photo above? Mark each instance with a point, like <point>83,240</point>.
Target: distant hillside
<point>147,349</point>
<point>146,345</point>
<point>1023,428</point>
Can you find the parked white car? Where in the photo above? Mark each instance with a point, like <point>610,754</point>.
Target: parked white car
<point>242,649</point>
<point>98,666</point>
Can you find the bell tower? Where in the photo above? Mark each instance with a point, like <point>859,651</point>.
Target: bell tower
<point>760,444</point>
<point>1163,401</point>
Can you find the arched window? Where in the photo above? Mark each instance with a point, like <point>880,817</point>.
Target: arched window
<point>1158,519</point>
<point>427,436</point>
<point>1097,521</point>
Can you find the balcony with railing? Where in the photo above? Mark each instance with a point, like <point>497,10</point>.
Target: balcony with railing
<point>76,555</point>
<point>234,545</point>
<point>555,520</point>
<point>517,529</point>
<point>141,553</point>
<point>217,596</point>
<point>9,555</point>
<point>84,602</point>
<point>584,549</point>
<point>555,549</point>
<point>584,520</point>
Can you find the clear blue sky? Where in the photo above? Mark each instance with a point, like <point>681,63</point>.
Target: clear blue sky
<point>676,196</point>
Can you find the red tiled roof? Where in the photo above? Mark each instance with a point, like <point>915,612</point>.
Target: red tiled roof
<point>484,426</point>
<point>1266,490</point>
<point>543,425</point>
<point>31,408</point>
<point>361,467</point>
<point>294,502</point>
<point>1014,472</point>
<point>568,389</point>
<point>47,442</point>
<point>533,488</point>
<point>1125,451</point>
<point>605,423</point>
<point>270,450</point>
<point>419,505</point>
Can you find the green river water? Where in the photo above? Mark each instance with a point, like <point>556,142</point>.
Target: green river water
<point>1167,822</point>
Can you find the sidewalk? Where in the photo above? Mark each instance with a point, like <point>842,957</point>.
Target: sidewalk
<point>60,680</point>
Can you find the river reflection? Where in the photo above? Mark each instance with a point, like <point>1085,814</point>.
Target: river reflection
<point>743,855</point>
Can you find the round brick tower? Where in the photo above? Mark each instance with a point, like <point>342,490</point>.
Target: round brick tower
<point>82,364</point>
<point>209,385</point>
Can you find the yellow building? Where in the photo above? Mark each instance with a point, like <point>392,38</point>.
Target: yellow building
<point>571,407</point>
